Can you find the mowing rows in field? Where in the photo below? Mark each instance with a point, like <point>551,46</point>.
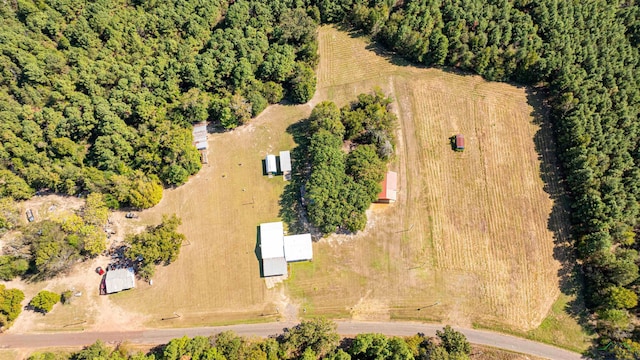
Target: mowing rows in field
<point>488,213</point>
<point>586,54</point>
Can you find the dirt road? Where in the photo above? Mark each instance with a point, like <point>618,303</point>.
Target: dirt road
<point>159,336</point>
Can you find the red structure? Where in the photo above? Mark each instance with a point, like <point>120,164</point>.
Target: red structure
<point>389,188</point>
<point>459,142</point>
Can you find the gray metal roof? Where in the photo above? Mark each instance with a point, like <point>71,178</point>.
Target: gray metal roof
<point>200,136</point>
<point>285,161</point>
<point>270,164</point>
<point>274,266</point>
<point>119,279</point>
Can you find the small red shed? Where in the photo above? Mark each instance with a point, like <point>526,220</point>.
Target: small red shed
<point>459,142</point>
<point>389,186</point>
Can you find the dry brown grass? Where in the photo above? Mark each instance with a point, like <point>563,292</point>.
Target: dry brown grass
<point>488,353</point>
<point>467,242</point>
<point>217,276</point>
<point>470,230</point>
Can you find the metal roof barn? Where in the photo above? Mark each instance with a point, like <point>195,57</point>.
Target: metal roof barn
<point>272,249</point>
<point>119,279</point>
<point>389,191</point>
<point>200,136</point>
<point>274,267</point>
<point>270,164</point>
<point>276,250</point>
<point>285,161</point>
<point>298,247</point>
<point>271,240</point>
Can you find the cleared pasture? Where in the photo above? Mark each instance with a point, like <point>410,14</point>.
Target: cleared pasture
<point>216,278</point>
<point>471,238</point>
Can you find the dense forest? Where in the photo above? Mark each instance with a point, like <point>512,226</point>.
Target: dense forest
<point>100,96</point>
<point>309,340</point>
<point>342,184</point>
<point>584,56</point>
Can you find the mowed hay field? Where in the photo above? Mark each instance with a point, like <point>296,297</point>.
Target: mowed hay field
<point>469,240</point>
<point>216,278</point>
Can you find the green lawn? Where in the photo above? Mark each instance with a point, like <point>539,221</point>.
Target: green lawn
<point>560,328</point>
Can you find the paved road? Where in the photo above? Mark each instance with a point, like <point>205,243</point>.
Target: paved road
<point>160,336</point>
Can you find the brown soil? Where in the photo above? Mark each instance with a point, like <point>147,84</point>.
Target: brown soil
<point>88,310</point>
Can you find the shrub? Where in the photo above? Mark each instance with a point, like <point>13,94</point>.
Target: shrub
<point>44,301</point>
<point>66,297</point>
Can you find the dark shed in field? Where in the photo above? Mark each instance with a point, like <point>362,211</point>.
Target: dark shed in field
<point>460,142</point>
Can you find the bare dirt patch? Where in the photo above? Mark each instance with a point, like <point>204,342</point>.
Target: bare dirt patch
<point>88,310</point>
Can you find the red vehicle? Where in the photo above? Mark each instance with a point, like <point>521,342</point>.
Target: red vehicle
<point>100,270</point>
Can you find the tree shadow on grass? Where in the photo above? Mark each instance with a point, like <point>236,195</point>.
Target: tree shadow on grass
<point>397,59</point>
<point>551,173</point>
<point>258,252</point>
<point>292,211</point>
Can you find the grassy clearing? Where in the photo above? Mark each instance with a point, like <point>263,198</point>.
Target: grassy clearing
<point>488,353</point>
<point>561,329</point>
<point>216,279</point>
<point>471,238</point>
<point>558,328</point>
<point>8,354</point>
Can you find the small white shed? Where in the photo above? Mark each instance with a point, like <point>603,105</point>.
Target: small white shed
<point>270,164</point>
<point>200,136</point>
<point>285,162</point>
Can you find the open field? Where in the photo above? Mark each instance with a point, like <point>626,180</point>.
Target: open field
<point>471,239</point>
<point>561,328</point>
<point>216,278</point>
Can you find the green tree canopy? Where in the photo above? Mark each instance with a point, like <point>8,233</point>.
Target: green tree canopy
<point>354,175</point>
<point>453,341</point>
<point>44,301</point>
<point>10,305</point>
<point>158,244</point>
<point>319,335</point>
